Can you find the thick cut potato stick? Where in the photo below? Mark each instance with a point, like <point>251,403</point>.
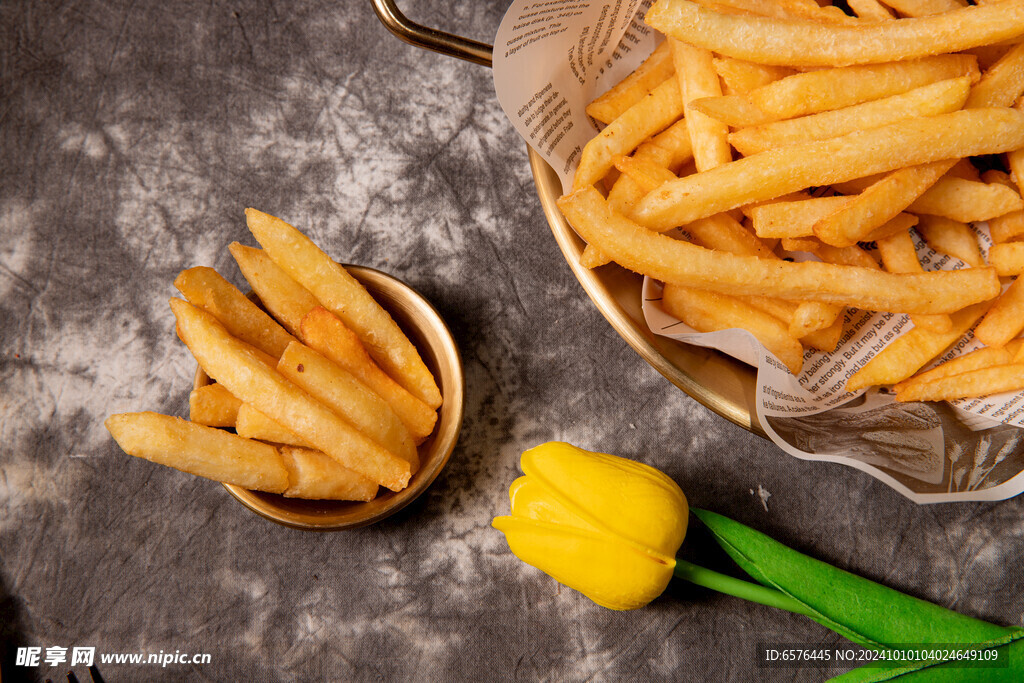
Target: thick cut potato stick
<point>777,172</point>
<point>740,77</point>
<point>967,201</point>
<point>342,294</point>
<point>671,260</point>
<point>710,312</point>
<point>200,450</point>
<point>286,299</point>
<point>1008,226</point>
<point>228,362</point>
<point>725,233</point>
<point>1005,319</point>
<point>347,396</point>
<point>924,8</point>
<point>252,424</point>
<point>653,113</point>
<point>795,9</point>
<point>204,287</point>
<point>793,218</point>
<point>213,405</point>
<point>325,333</point>
<point>878,204</point>
<point>1003,83</point>
<point>928,100</point>
<point>650,74</point>
<point>984,357</point>
<point>696,75</point>
<point>1007,259</point>
<point>910,352</point>
<point>972,384</point>
<point>900,256</point>
<point>813,316</point>
<point>316,476</point>
<point>806,42</point>
<point>870,9</point>
<point>951,237</point>
<point>648,175</point>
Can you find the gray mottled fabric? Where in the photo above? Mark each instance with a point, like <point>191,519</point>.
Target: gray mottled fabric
<point>132,136</point>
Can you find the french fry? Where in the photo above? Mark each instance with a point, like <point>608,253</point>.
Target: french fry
<point>878,204</point>
<point>967,201</point>
<point>807,42</point>
<point>777,172</point>
<point>711,311</point>
<point>911,351</point>
<point>325,333</point>
<point>793,218</point>
<point>653,113</point>
<point>347,396</point>
<point>204,287</point>
<point>651,73</point>
<point>924,8</point>
<point>317,476</point>
<point>671,260</point>
<point>984,357</point>
<point>213,405</point>
<point>927,100</point>
<point>725,233</point>
<point>203,451</point>
<point>1010,225</point>
<point>870,9</point>
<point>983,382</point>
<point>900,256</point>
<point>951,237</point>
<point>342,294</point>
<point>811,317</point>
<point>286,299</point>
<point>696,76</point>
<point>740,77</point>
<point>648,175</point>
<point>1003,83</point>
<point>1005,319</point>
<point>1007,259</point>
<point>252,424</point>
<point>248,378</point>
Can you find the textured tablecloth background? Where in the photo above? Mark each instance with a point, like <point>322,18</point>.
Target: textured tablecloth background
<point>132,136</point>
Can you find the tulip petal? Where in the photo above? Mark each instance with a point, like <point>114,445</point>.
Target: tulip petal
<point>611,573</point>
<point>530,500</point>
<point>633,501</point>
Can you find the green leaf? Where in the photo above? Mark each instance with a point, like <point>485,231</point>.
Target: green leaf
<point>1009,646</point>
<point>863,611</point>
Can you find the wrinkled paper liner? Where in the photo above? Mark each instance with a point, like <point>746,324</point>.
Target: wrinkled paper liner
<point>550,60</point>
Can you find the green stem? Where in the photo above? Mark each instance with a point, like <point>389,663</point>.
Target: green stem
<point>729,585</point>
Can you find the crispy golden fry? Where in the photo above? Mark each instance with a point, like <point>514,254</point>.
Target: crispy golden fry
<point>342,294</point>
<point>325,333</point>
<point>793,218</point>
<point>910,352</point>
<point>347,396</point>
<point>286,299</point>
<point>1003,83</point>
<point>807,42</point>
<point>725,233</point>
<point>951,237</point>
<point>205,288</point>
<point>878,204</point>
<point>650,74</point>
<point>1007,259</point>
<point>200,450</point>
<point>988,55</point>
<point>900,256</point>
<point>777,172</point>
<point>317,476</point>
<point>793,9</point>
<point>928,100</point>
<point>228,362</point>
<point>1005,319</point>
<point>825,339</point>
<point>710,311</point>
<point>1008,226</point>
<point>870,9</point>
<point>213,405</point>
<point>696,76</point>
<point>972,384</point>
<point>671,260</point>
<point>648,175</point>
<point>924,8</point>
<point>653,113</point>
<point>252,424</point>
<point>979,358</point>
<point>967,201</point>
<point>740,77</point>
<point>812,317</point>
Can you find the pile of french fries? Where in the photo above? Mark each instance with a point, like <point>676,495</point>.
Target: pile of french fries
<point>326,395</point>
<point>759,128</point>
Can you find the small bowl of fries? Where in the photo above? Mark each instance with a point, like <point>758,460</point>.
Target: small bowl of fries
<point>328,398</point>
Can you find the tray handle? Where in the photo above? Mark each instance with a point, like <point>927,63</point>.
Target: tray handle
<point>429,38</point>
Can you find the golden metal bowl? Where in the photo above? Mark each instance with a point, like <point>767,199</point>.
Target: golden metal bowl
<point>429,334</point>
<point>720,382</point>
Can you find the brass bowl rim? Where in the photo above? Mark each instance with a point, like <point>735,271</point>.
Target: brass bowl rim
<point>435,452</point>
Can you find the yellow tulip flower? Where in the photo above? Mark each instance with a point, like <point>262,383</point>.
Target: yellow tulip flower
<point>606,526</point>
